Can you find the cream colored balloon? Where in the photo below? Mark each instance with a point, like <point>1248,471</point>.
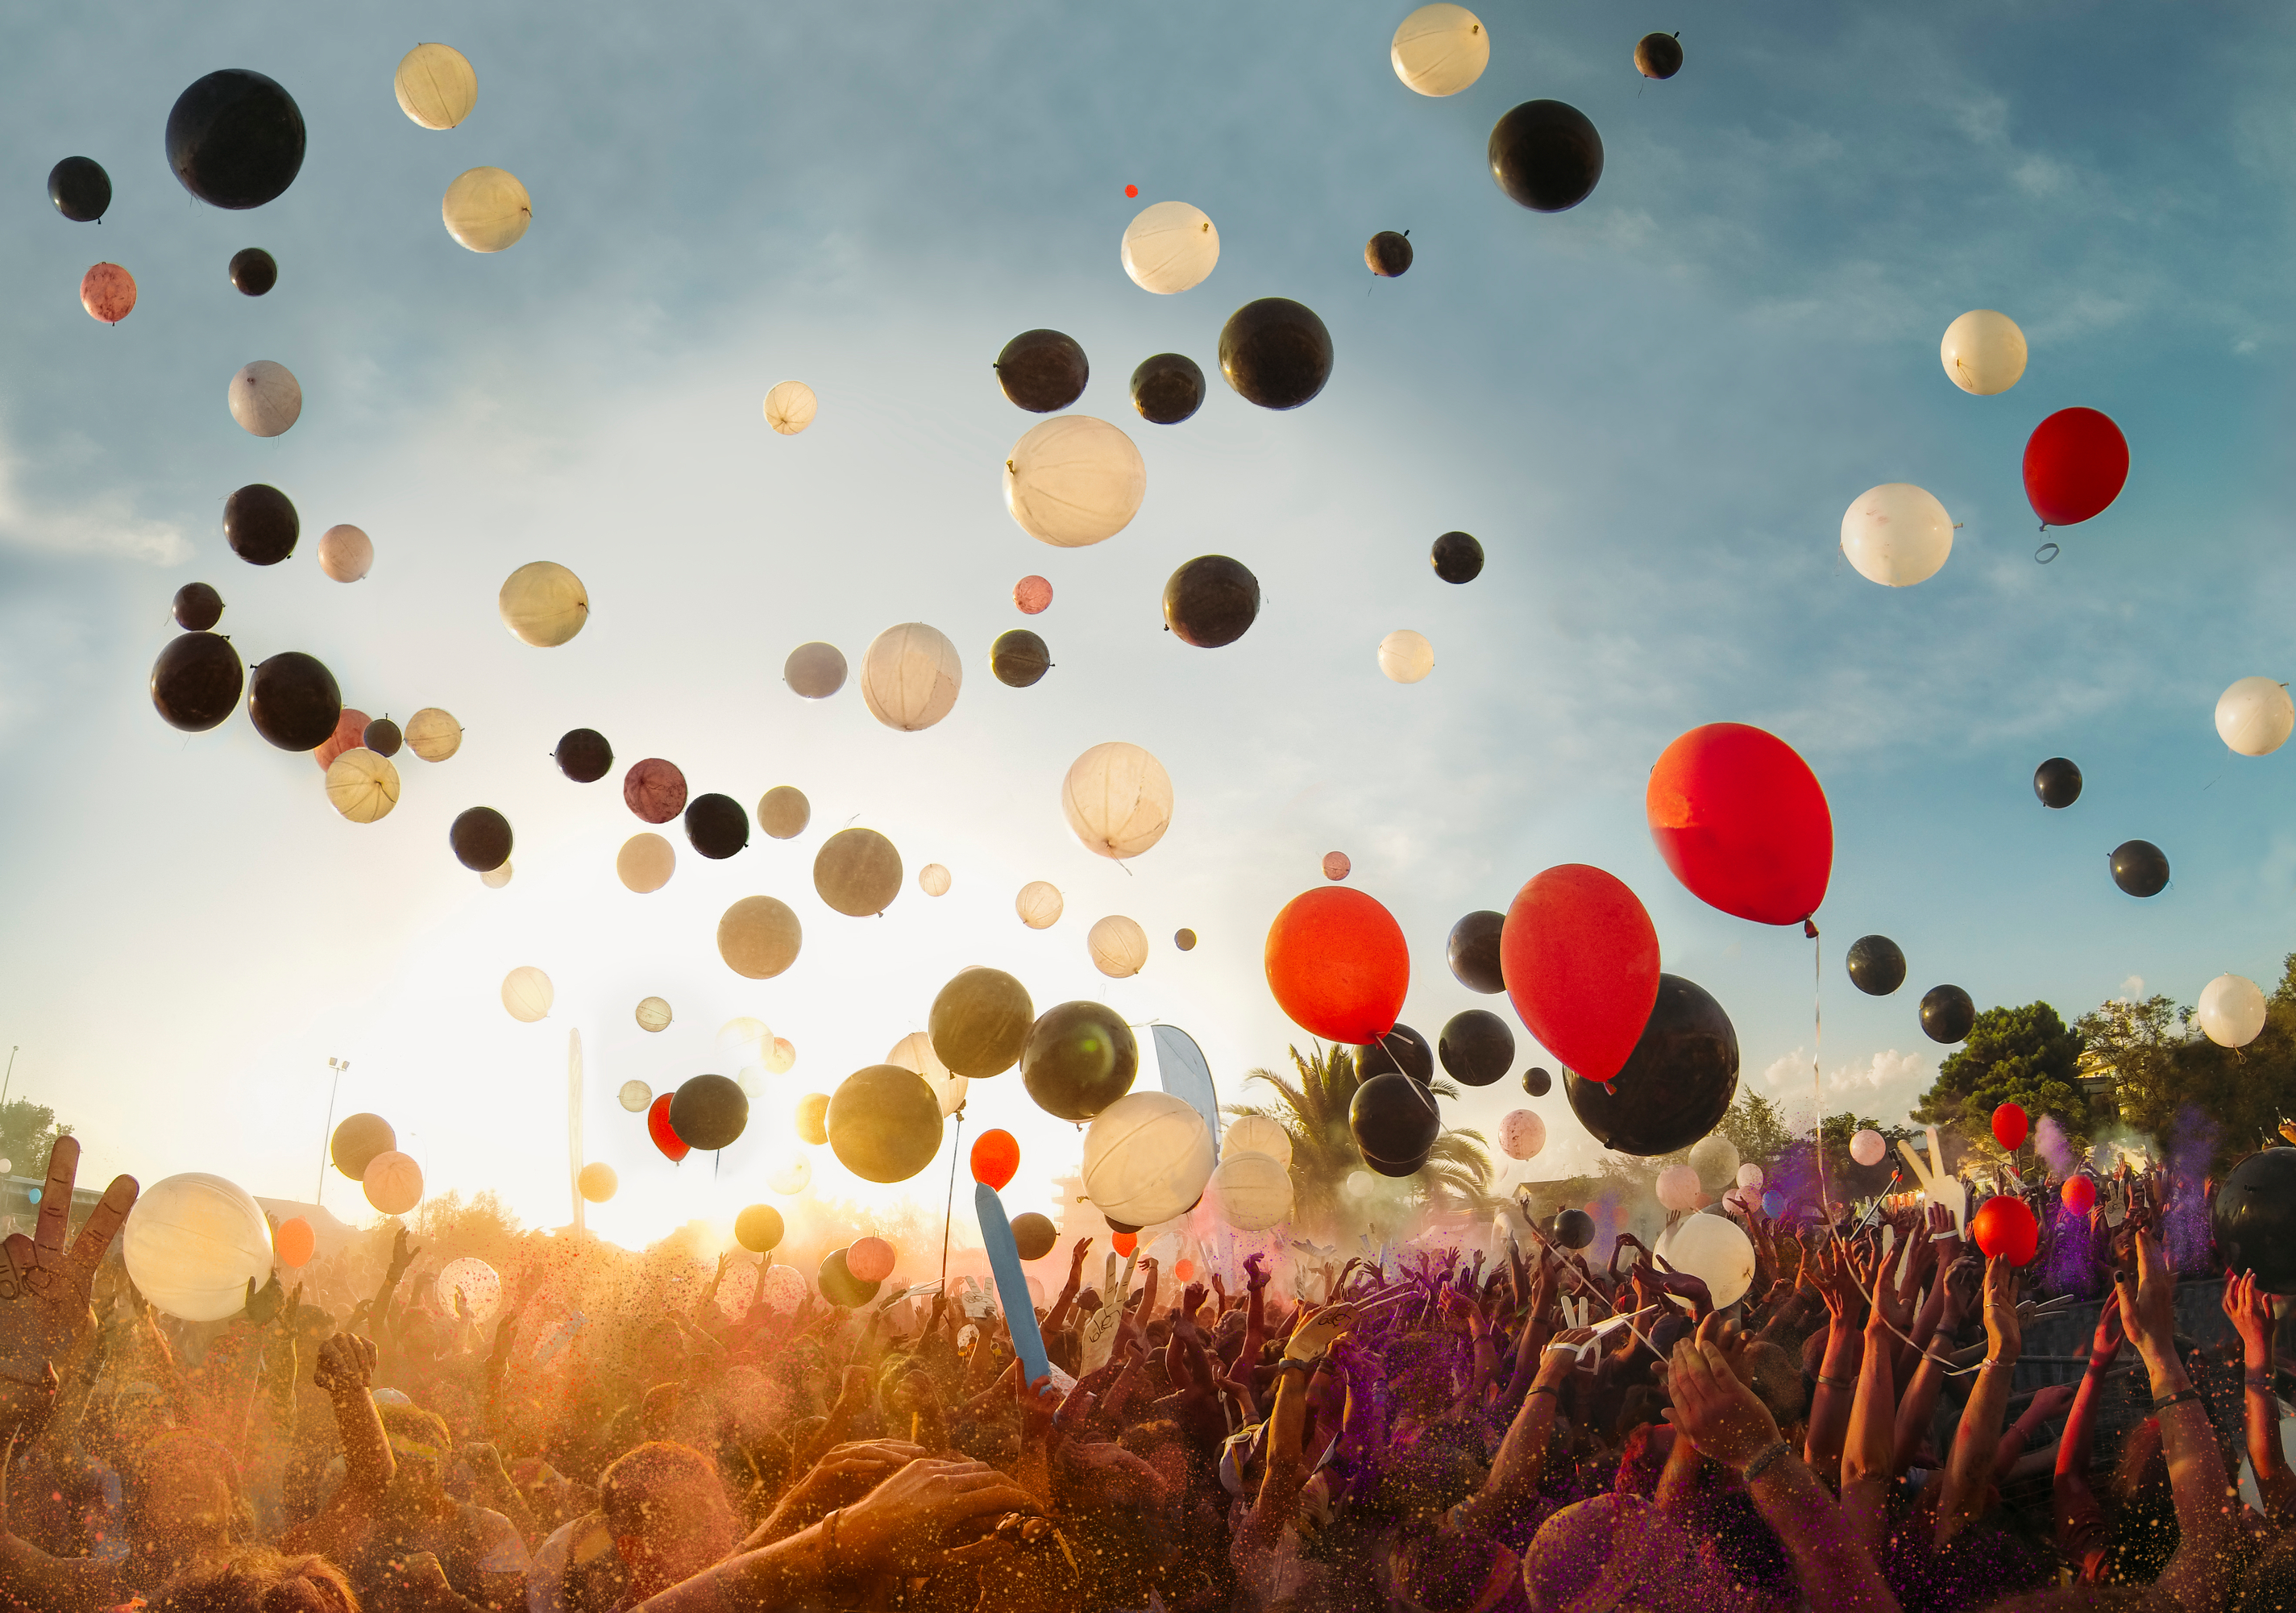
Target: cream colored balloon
<point>1257,1134</point>
<point>1074,481</point>
<point>265,398</point>
<point>1897,534</point>
<point>486,210</point>
<point>933,879</point>
<point>436,86</point>
<point>1120,947</point>
<point>1147,1158</point>
<point>1117,799</point>
<point>1714,1250</point>
<point>362,786</point>
<point>645,863</point>
<point>1715,1158</point>
<point>1521,1134</point>
<point>345,554</point>
<point>783,811</point>
<point>1038,904</point>
<point>914,1051</point>
<point>494,879</point>
<point>653,1014</point>
<point>782,1060</point>
<point>789,407</point>
<point>1677,1188</point>
<point>393,1183</point>
<point>910,677</point>
<point>1983,351</point>
<point>543,604</point>
<point>597,1182</point>
<point>1255,1191</point>
<point>527,992</point>
<point>192,1244</point>
<point>748,1038</point>
<point>1169,247</point>
<point>1406,656</point>
<point>758,937</point>
<point>2231,1010</point>
<point>434,735</point>
<point>2255,716</point>
<point>789,1178</point>
<point>1440,49</point>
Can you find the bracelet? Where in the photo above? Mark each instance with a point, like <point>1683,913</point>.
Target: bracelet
<point>1544,1388</point>
<point>1755,1468</point>
<point>829,1543</point>
<point>1305,1363</point>
<point>1837,1383</point>
<point>2177,1399</point>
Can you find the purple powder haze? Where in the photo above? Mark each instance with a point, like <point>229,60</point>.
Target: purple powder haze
<point>2191,1147</point>
<point>2054,1147</point>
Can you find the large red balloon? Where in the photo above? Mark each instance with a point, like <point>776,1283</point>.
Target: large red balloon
<point>2079,1195</point>
<point>2075,463</point>
<point>658,1127</point>
<point>2010,1125</point>
<point>2003,1225</point>
<point>1579,957</point>
<point>1338,964</point>
<point>995,1155</point>
<point>1741,821</point>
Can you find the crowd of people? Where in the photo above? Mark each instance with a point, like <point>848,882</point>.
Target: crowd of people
<point>1436,1431</point>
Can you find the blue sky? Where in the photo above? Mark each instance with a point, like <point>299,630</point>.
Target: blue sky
<point>1652,410</point>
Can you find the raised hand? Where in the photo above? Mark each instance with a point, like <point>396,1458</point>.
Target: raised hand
<point>904,1525</point>
<point>2004,1336</point>
<point>346,1363</point>
<point>1255,1274</point>
<point>44,1293</point>
<point>1718,1414</point>
<point>2249,1308</point>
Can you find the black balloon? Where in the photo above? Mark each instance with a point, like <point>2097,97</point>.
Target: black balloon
<point>1393,1118</point>
<point>709,1112</point>
<point>293,701</point>
<point>1676,1085</point>
<point>1186,940</point>
<point>2254,1218</point>
<point>383,736</point>
<point>1079,1058</point>
<point>1457,557</point>
<point>236,139</point>
<point>1019,658</point>
<point>1574,1229</point>
<point>1546,155</point>
<point>1388,254</point>
<point>1211,601</point>
<point>1476,1047</point>
<point>1659,56</point>
<point>838,1284</point>
<point>1042,370</point>
<point>1397,1167</point>
<point>2057,782</point>
<point>1537,1080</point>
<point>253,271</point>
<point>1401,1049</point>
<point>80,189</point>
<point>260,524</point>
<point>196,682</point>
<point>1167,388</point>
<point>584,755</point>
<point>1475,952</point>
<point>884,1123</point>
<point>1876,967</point>
<point>1948,1014</point>
<point>198,607</point>
<point>1276,353</point>
<point>717,826</point>
<point>480,837</point>
<point>2140,867</point>
<point>1034,1236</point>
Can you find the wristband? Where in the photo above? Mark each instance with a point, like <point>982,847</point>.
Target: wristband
<point>1837,1383</point>
<point>1945,1236</point>
<point>1544,1388</point>
<point>2177,1399</point>
<point>1762,1460</point>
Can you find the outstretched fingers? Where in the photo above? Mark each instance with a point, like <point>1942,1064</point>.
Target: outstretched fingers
<point>55,1203</point>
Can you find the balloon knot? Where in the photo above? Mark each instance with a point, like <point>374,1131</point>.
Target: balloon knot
<point>1810,928</point>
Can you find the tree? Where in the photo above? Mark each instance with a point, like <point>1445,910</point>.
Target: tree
<point>27,1130</point>
<point>2026,1056</point>
<point>2174,1084</point>
<point>1756,1128</point>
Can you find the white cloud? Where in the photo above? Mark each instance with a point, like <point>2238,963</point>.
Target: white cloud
<point>104,523</point>
<point>2132,989</point>
<point>1883,1080</point>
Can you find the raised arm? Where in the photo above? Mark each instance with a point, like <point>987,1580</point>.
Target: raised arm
<point>1970,1467</point>
<point>2250,1311</point>
<point>2080,1522</point>
<point>345,1371</point>
<point>1829,1406</point>
<point>2196,1574</point>
<point>1869,1457</point>
<point>1961,1282</point>
<point>1511,1486</point>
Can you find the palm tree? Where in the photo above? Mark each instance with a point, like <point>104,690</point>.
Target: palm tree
<point>1313,1111</point>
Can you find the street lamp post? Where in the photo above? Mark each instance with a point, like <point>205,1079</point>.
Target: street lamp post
<point>319,1194</point>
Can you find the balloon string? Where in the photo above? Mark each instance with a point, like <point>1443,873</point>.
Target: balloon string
<point>1817,1059</point>
<point>956,1152</point>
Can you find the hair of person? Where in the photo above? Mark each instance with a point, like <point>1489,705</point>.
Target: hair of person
<point>417,1427</point>
<point>630,1483</point>
<point>256,1579</point>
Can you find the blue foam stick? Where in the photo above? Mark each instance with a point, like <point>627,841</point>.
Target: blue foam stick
<point>1012,1283</point>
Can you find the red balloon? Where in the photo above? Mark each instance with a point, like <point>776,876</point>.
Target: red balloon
<point>1338,964</point>
<point>2009,1126</point>
<point>350,731</point>
<point>658,1127</point>
<point>2003,1225</point>
<point>2079,1195</point>
<point>2075,463</point>
<point>1124,1243</point>
<point>1184,1269</point>
<point>654,789</point>
<point>1742,822</point>
<point>995,1155</point>
<point>1579,957</point>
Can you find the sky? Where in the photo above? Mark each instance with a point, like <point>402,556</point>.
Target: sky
<point>1651,410</point>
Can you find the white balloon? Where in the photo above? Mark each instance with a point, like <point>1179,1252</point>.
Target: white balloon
<point>193,1242</point>
<point>1359,1184</point>
<point>933,879</point>
<point>478,1284</point>
<point>1147,1158</point>
<point>1897,535</point>
<point>1749,1177</point>
<point>1038,904</point>
<point>783,1058</point>
<point>1169,247</point>
<point>1523,1134</point>
<point>789,407</point>
<point>392,1182</point>
<point>1073,481</point>
<point>1119,946</point>
<point>1677,1188</point>
<point>914,1051</point>
<point>265,398</point>
<point>1117,800</point>
<point>345,554</point>
<point>792,1176</point>
<point>543,603</point>
<point>2255,716</point>
<point>1983,351</point>
<point>635,1096</point>
<point>1440,49</point>
<point>1257,1134</point>
<point>527,992</point>
<point>910,676</point>
<point>436,86</point>
<point>645,863</point>
<point>1406,656</point>
<point>494,879</point>
<point>747,1039</point>
<point>486,210</point>
<point>2231,1010</point>
<point>653,1014</point>
<point>362,786</point>
<point>1255,1191</point>
<point>434,735</point>
<point>1867,1146</point>
<point>1713,1248</point>
<point>1715,1158</point>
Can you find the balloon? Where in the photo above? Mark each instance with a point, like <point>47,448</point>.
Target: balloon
<point>838,1284</point>
<point>784,1056</point>
<point>1714,1250</point>
<point>1405,656</point>
<point>1457,557</point>
<point>1677,1188</point>
<point>1715,1158</point>
<point>815,671</point>
<point>635,1096</point>
<point>758,1229</point>
<point>1580,960</point>
<point>293,701</point>
<point>1897,534</point>
<point>1185,940</point>
<point>393,1183</point>
<point>350,729</point>
<point>1546,155</point>
<point>1523,1134</point>
<point>362,786</point>
<point>1117,800</point>
<point>1742,822</point>
<point>1474,952</point>
<point>996,1157</point>
<point>1336,865</point>
<point>470,1286</point>
<point>2231,1010</point>
<point>597,1181</point>
<point>253,271</point>
<point>1019,658</point>
<point>717,826</point>
<point>1574,1229</point>
<point>1398,1048</point>
<point>792,1176</point>
<point>357,1141</point>
<point>1983,352</point>
<point>1167,389</point>
<point>1337,964</point>
<point>1042,370</point>
<point>1119,946</point>
<point>494,879</point>
<point>1676,1084</point>
<point>1388,254</point>
<point>1276,353</point>
<point>1074,481</point>
<point>884,1122</point>
<point>2079,1195</point>
<point>1750,1177</point>
<point>2057,782</point>
<point>1147,1158</point>
<point>1876,967</point>
<point>1257,1134</point>
<point>1867,1148</point>
<point>933,879</point>
<point>665,1136</point>
<point>480,837</point>
<point>2003,1225</point>
<point>543,603</point>
<point>1773,1204</point>
<point>1658,55</point>
<point>345,554</point>
<point>527,992</point>
<point>2139,868</point>
<point>791,406</point>
<point>264,398</point>
<point>1537,1080</point>
<point>709,1112</point>
<point>193,1243</point>
<point>2010,1125</point>
<point>758,937</point>
<point>783,811</point>
<point>196,682</point>
<point>1440,50</point>
<point>910,676</point>
<point>80,189</point>
<point>1034,1236</point>
<point>486,210</point>
<point>645,863</point>
<point>107,292</point>
<point>260,524</point>
<point>434,735</point>
<point>296,1242</point>
<point>1168,247</point>
<point>436,86</point>
<point>1078,1058</point>
<point>1038,905</point>
<point>1031,596</point>
<point>2254,1219</point>
<point>653,1015</point>
<point>2076,463</point>
<point>871,1259</point>
<point>981,1022</point>
<point>1948,1014</point>
<point>1124,1243</point>
<point>654,789</point>
<point>197,607</point>
<point>812,1116</point>
<point>1393,1118</point>
<point>1211,601</point>
<point>236,139</point>
<point>583,755</point>
<point>2255,716</point>
<point>1476,1047</point>
<point>1255,1191</point>
<point>858,872</point>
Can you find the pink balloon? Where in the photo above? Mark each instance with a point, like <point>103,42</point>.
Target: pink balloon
<point>1032,595</point>
<point>107,292</point>
<point>1336,865</point>
<point>870,1259</point>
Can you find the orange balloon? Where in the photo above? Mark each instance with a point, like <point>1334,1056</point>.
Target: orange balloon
<point>1337,964</point>
<point>1124,1243</point>
<point>870,1259</point>
<point>296,1242</point>
<point>1184,1269</point>
<point>350,733</point>
<point>2079,1195</point>
<point>996,1157</point>
<point>107,292</point>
